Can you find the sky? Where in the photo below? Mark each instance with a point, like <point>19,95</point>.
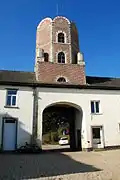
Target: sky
<point>98,24</point>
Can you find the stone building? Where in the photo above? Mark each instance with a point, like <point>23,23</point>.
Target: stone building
<point>59,80</point>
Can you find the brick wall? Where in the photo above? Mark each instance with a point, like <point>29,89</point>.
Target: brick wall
<point>49,72</point>
<point>44,36</point>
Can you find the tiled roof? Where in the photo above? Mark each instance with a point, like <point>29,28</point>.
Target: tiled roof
<point>28,78</point>
<point>103,81</point>
<point>17,76</point>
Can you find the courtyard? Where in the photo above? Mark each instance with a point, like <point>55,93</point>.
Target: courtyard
<point>102,165</point>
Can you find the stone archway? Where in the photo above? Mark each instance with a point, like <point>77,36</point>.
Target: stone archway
<point>66,113</point>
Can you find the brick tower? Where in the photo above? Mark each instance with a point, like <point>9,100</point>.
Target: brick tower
<point>58,58</point>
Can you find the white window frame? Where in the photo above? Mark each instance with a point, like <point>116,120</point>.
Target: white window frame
<point>12,95</point>
<point>94,101</point>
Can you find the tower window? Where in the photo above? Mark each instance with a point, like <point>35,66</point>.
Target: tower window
<point>61,57</point>
<point>61,79</point>
<point>61,38</point>
<point>46,57</point>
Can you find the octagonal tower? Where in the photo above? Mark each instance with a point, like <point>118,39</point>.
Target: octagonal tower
<point>58,57</point>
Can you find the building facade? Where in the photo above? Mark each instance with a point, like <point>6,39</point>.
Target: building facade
<point>59,80</point>
<point>16,116</point>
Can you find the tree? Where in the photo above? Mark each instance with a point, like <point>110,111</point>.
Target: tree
<point>53,119</point>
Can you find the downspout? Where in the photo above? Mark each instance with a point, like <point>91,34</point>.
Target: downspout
<point>35,116</point>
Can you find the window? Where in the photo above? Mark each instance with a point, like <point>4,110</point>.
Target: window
<point>95,107</point>
<point>46,57</point>
<point>61,38</point>
<point>61,57</point>
<point>61,79</point>
<point>11,97</point>
<point>118,127</point>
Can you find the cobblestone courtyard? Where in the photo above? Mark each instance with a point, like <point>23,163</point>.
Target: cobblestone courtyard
<point>104,165</point>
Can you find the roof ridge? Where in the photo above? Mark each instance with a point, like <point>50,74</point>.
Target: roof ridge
<point>5,70</point>
<point>102,77</point>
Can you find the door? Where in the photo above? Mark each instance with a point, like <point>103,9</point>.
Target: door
<point>97,134</point>
<point>9,134</point>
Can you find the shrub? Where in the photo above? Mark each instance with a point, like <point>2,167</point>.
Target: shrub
<point>46,138</point>
<point>54,137</point>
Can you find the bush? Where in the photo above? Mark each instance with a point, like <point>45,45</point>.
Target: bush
<point>50,138</point>
<point>46,138</point>
<point>54,137</point>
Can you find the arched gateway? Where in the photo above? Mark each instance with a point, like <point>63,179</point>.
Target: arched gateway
<point>62,119</point>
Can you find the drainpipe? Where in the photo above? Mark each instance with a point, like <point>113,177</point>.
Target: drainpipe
<point>35,116</point>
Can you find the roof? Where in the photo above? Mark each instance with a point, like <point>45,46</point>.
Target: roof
<point>17,77</point>
<point>23,78</point>
<point>103,81</point>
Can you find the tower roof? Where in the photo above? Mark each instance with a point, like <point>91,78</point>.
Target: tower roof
<point>53,20</point>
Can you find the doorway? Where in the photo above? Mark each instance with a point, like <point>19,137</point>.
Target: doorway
<point>61,121</point>
<point>97,137</point>
<point>9,138</point>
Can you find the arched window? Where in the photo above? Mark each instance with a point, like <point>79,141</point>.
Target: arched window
<point>61,79</point>
<point>61,38</point>
<point>46,57</point>
<point>61,57</point>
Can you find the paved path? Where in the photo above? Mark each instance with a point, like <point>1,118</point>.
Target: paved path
<point>61,166</point>
<point>56,147</point>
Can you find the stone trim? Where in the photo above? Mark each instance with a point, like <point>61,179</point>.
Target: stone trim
<point>51,44</point>
<point>60,76</point>
<point>87,149</point>
<point>102,149</point>
<point>48,18</point>
<point>64,18</point>
<point>70,47</point>
<point>112,147</point>
<point>61,43</point>
<point>65,38</point>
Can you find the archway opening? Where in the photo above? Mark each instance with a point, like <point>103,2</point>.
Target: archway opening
<point>61,128</point>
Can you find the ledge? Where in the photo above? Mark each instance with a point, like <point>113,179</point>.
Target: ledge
<point>96,114</point>
<point>12,107</point>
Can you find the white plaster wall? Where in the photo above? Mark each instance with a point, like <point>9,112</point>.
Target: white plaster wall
<point>24,113</point>
<point>109,115</point>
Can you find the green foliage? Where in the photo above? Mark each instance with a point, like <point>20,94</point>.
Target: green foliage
<point>54,137</point>
<point>46,138</point>
<point>54,122</point>
<point>50,138</point>
<point>53,119</point>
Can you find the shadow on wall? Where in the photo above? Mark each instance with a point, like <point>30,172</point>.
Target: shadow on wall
<point>22,136</point>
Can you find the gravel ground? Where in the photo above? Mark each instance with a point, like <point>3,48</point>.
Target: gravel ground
<point>104,165</point>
